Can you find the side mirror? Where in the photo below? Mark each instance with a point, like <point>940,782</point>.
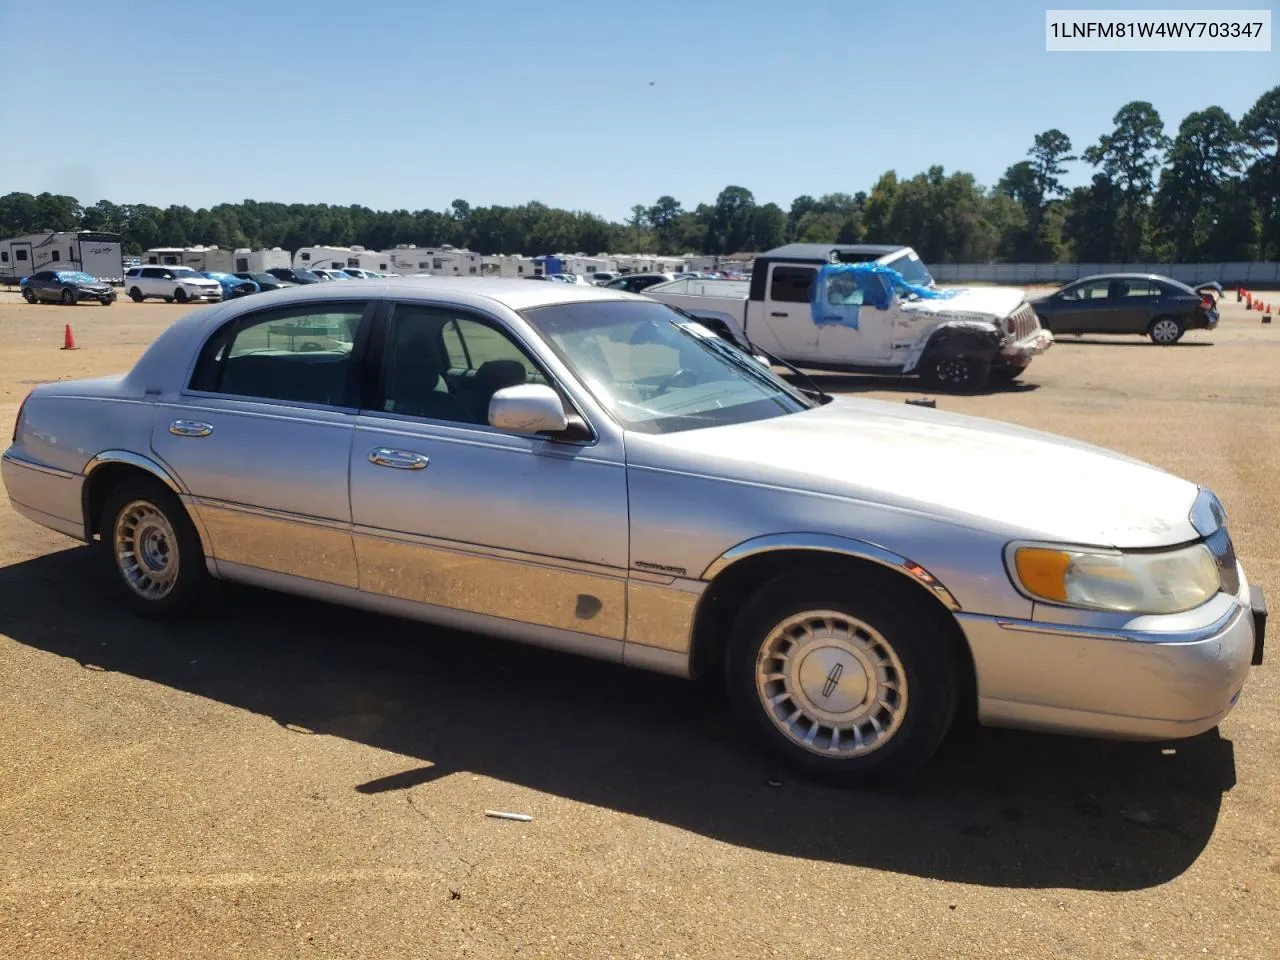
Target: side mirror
<point>527,408</point>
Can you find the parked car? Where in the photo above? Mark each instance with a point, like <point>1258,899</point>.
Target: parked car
<point>1141,303</point>
<point>169,284</point>
<point>956,340</point>
<point>66,286</point>
<point>360,274</point>
<point>290,275</point>
<point>636,282</point>
<point>232,286</point>
<point>265,281</point>
<point>326,274</point>
<point>590,470</point>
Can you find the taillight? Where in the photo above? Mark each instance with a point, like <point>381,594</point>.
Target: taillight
<point>18,422</point>
<point>1207,302</point>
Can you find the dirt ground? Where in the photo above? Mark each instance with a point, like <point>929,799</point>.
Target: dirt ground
<point>286,779</point>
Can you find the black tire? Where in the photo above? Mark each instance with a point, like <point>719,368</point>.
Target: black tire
<point>191,584</point>
<point>180,295</point>
<point>918,641</point>
<point>29,295</point>
<point>1166,331</point>
<point>957,374</point>
<point>136,295</point>
<point>105,301</point>
<point>68,298</point>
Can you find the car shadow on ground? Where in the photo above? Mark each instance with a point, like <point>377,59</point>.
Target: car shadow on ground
<point>996,808</point>
<point>1070,338</point>
<point>866,383</point>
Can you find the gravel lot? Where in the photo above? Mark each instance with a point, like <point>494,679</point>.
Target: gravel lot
<point>287,779</point>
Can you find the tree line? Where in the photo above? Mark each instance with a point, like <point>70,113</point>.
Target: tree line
<point>1210,192</point>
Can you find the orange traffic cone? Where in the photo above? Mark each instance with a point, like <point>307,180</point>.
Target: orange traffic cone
<point>69,340</point>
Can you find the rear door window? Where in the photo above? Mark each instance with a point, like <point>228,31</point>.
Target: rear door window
<point>791,284</point>
<point>296,355</point>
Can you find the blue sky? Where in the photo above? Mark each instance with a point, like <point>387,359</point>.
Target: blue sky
<point>593,105</point>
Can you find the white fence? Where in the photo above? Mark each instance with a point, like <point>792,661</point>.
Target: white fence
<point>1227,274</point>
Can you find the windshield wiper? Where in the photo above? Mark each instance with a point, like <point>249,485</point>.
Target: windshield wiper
<point>813,390</point>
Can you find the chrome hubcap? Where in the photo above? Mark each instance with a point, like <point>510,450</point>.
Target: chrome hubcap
<point>953,371</point>
<point>832,684</point>
<point>146,550</point>
<point>1166,331</point>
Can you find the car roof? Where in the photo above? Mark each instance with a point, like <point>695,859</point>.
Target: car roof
<point>515,293</point>
<point>820,251</point>
<point>1133,276</point>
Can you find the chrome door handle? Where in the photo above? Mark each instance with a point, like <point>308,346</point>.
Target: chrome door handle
<point>190,428</point>
<point>399,459</point>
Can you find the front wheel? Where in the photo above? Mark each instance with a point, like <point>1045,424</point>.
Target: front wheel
<point>135,295</point>
<point>105,301</point>
<point>1007,372</point>
<point>843,680</point>
<point>180,295</point>
<point>154,549</point>
<point>957,374</point>
<point>29,295</point>
<point>68,298</point>
<point>1165,331</point>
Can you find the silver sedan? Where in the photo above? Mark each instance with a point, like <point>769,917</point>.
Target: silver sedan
<point>593,471</point>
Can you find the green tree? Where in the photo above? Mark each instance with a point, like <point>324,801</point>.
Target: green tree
<point>1260,134</point>
<point>1204,160</point>
<point>1129,156</point>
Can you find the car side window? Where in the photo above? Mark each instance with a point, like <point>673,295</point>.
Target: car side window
<point>1086,291</point>
<point>297,355</point>
<point>1142,288</point>
<point>442,364</point>
<point>791,284</point>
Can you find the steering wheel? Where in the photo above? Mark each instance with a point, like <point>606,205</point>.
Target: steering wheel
<point>684,377</point>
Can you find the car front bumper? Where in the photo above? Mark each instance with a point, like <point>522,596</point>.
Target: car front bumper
<point>82,294</point>
<point>1021,351</point>
<point>1164,681</point>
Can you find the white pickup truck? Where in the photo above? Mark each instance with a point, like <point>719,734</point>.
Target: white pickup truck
<point>958,341</point>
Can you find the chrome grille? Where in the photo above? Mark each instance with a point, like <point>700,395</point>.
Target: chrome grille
<point>1025,322</point>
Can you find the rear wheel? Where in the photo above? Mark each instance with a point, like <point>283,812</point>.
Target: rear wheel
<point>154,549</point>
<point>135,295</point>
<point>1165,330</point>
<point>851,682</point>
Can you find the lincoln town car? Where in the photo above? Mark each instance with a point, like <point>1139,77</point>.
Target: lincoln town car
<point>594,471</point>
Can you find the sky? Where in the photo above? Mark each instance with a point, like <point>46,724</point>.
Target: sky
<point>589,106</point>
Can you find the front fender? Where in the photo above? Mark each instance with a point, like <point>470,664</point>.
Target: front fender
<point>960,338</point>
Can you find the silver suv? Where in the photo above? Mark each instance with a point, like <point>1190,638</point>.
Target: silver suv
<point>169,284</point>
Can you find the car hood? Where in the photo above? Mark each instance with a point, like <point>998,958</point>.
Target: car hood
<point>997,302</point>
<point>968,470</point>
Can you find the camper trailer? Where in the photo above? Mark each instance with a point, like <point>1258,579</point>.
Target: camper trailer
<point>259,261</point>
<point>197,258</point>
<point>444,261</point>
<point>98,254</point>
<point>339,258</point>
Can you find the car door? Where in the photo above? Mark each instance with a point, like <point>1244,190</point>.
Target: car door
<point>44,285</point>
<point>786,314</point>
<point>1085,308</point>
<point>451,512</point>
<point>1139,304</point>
<point>261,440</point>
<point>863,334</point>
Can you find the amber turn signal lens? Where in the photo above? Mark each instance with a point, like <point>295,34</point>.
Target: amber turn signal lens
<point>1043,572</point>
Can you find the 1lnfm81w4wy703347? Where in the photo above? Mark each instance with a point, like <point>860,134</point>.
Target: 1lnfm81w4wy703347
<point>593,471</point>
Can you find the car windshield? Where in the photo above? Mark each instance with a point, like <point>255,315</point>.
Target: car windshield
<point>306,275</point>
<point>657,372</point>
<point>912,269</point>
<point>76,276</point>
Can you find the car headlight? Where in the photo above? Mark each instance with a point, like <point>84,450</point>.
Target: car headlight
<point>1141,582</point>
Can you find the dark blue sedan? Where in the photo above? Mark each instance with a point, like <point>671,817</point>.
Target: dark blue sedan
<point>66,286</point>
